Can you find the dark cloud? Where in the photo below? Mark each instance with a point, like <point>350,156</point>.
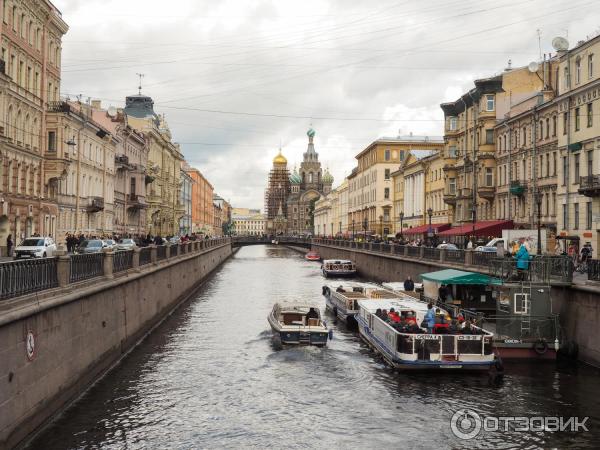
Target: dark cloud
<point>392,61</point>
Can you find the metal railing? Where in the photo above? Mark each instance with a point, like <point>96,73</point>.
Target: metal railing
<point>161,252</point>
<point>122,261</point>
<point>483,258</point>
<point>431,253</point>
<point>23,277</point>
<point>413,251</point>
<point>455,256</point>
<point>145,256</point>
<point>85,266</point>
<point>593,269</point>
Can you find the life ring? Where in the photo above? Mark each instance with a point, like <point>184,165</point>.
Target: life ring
<point>540,347</point>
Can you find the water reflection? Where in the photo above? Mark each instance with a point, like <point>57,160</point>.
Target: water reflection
<point>209,377</point>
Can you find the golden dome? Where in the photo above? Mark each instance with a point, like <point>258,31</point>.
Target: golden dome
<point>279,159</point>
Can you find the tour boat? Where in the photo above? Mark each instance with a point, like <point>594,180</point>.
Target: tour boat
<point>342,299</point>
<point>420,350</point>
<point>338,268</point>
<point>298,324</point>
<point>312,256</point>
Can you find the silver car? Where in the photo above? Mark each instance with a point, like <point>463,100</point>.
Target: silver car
<point>91,246</point>
<point>126,244</point>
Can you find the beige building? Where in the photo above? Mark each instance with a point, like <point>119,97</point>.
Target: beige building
<point>370,186</point>
<point>31,33</point>
<point>164,163</point>
<point>579,142</point>
<point>248,224</point>
<point>85,190</point>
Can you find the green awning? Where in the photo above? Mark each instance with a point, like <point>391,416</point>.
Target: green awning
<point>451,276</point>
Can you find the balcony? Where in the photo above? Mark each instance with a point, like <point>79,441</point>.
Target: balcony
<point>122,163</point>
<point>589,186</point>
<point>450,199</point>
<point>487,192</point>
<point>465,193</point>
<point>135,201</point>
<point>95,204</point>
<point>518,187</point>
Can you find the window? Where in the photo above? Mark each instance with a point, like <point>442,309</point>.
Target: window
<point>565,123</point>
<point>577,117</point>
<point>524,136</point>
<point>590,163</point>
<point>132,186</point>
<point>576,216</point>
<point>590,66</point>
<point>547,128</point>
<point>489,177</point>
<point>588,216</point>
<point>541,133</point>
<point>566,77</point>
<point>14,18</point>
<point>387,155</point>
<point>452,151</point>
<point>489,103</point>
<point>386,193</point>
<point>522,303</point>
<point>387,174</point>
<point>565,172</point>
<point>51,141</point>
<point>452,123</point>
<point>590,115</point>
<point>452,186</point>
<point>553,126</point>
<point>554,163</point>
<point>401,155</point>
<point>565,216</point>
<point>576,168</point>
<point>548,165</point>
<point>578,70</point>
<point>489,136</point>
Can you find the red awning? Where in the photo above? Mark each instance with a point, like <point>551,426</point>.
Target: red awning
<point>483,228</point>
<point>435,227</point>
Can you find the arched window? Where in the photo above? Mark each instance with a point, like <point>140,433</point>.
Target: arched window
<point>15,18</point>
<point>19,128</point>
<point>27,132</point>
<point>577,70</point>
<point>9,123</point>
<point>310,177</point>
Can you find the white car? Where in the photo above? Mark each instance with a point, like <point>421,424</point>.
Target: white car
<point>109,243</point>
<point>35,247</point>
<point>126,244</point>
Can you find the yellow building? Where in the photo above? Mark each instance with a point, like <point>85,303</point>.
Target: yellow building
<point>370,186</point>
<point>331,213</point>
<point>578,142</point>
<point>164,163</point>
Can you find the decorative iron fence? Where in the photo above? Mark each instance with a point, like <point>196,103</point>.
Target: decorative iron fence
<point>27,276</point>
<point>86,266</point>
<point>376,247</point>
<point>457,256</point>
<point>414,251</point>
<point>386,248</point>
<point>594,270</point>
<point>145,256</point>
<point>122,261</point>
<point>483,258</point>
<point>431,253</point>
<point>399,249</point>
<point>161,252</point>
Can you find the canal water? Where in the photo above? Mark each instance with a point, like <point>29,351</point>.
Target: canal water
<point>210,377</point>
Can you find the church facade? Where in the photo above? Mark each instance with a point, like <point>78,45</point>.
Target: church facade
<point>290,201</point>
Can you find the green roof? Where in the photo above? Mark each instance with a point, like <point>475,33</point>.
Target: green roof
<point>451,276</point>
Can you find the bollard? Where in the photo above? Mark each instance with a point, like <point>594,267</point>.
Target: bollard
<point>168,250</point>
<point>135,263</point>
<point>108,264</point>
<point>421,251</point>
<point>469,257</point>
<point>63,270</point>
<point>153,254</point>
<point>442,255</point>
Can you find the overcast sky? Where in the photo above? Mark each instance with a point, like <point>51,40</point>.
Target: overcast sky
<point>235,78</point>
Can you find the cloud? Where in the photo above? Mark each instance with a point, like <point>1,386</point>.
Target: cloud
<point>355,71</point>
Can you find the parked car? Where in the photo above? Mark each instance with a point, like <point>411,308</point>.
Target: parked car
<point>175,240</point>
<point>110,243</point>
<point>448,246</point>
<point>35,247</point>
<point>91,246</point>
<point>486,249</point>
<point>126,244</point>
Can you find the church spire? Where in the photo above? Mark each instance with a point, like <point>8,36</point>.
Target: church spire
<point>310,154</point>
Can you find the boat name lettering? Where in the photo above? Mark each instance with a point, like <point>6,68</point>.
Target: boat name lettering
<point>512,341</point>
<point>428,337</point>
<point>469,338</point>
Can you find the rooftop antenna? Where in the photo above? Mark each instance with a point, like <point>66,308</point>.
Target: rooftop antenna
<point>140,75</point>
<point>539,35</point>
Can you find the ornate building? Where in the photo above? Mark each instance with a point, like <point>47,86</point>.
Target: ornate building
<point>276,196</point>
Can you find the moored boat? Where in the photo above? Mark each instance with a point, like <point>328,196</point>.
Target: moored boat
<point>413,348</point>
<point>312,256</point>
<point>298,324</point>
<point>342,299</point>
<point>338,268</point>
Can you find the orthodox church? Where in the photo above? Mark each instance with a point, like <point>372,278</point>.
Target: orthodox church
<point>290,199</point>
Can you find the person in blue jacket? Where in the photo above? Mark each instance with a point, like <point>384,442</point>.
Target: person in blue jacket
<point>522,258</point>
<point>430,318</point>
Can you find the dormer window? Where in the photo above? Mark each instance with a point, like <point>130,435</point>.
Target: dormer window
<point>490,103</point>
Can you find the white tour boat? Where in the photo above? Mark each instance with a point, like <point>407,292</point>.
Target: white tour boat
<point>298,324</point>
<point>342,298</point>
<point>410,348</point>
<point>338,268</point>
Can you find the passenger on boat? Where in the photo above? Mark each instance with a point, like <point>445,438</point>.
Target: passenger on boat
<point>384,315</point>
<point>443,293</point>
<point>467,328</point>
<point>340,289</point>
<point>410,318</point>
<point>430,318</point>
<point>393,315</point>
<point>441,326</point>
<point>378,313</point>
<point>409,285</point>
<point>454,326</point>
<point>312,314</point>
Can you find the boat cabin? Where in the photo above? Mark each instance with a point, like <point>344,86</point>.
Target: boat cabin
<point>290,315</point>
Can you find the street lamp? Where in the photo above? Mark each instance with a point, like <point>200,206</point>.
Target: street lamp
<point>429,233</point>
<point>401,215</point>
<point>365,226</point>
<point>340,229</point>
<point>352,229</point>
<point>331,230</point>
<point>381,226</point>
<point>538,200</point>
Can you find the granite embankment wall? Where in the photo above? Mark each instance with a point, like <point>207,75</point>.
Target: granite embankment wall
<point>81,331</point>
<point>578,305</point>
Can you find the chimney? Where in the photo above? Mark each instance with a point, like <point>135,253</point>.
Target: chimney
<point>96,104</point>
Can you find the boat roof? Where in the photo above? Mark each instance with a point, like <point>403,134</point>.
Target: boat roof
<point>398,285</point>
<point>452,276</point>
<point>351,284</point>
<point>400,303</point>
<point>301,307</point>
<point>337,261</point>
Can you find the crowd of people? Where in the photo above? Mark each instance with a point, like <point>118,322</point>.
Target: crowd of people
<point>73,241</point>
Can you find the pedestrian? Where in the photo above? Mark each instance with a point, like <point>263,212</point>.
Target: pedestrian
<point>409,285</point>
<point>522,258</point>
<point>470,245</point>
<point>429,319</point>
<point>9,245</point>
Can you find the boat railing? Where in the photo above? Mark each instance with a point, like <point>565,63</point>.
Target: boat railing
<point>455,310</point>
<point>525,327</point>
<point>445,345</point>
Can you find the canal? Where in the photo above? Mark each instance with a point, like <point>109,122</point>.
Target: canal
<point>209,377</point>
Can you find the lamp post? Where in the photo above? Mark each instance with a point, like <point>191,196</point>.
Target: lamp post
<point>365,226</point>
<point>331,230</point>
<point>381,225</point>
<point>352,229</point>
<point>401,215</point>
<point>429,233</point>
<point>538,200</point>
<point>340,229</point>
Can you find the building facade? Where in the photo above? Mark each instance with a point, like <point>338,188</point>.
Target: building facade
<point>31,34</point>
<point>185,198</point>
<point>276,196</point>
<point>202,202</point>
<point>249,224</point>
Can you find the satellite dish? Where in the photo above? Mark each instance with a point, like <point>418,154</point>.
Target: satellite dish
<point>112,111</point>
<point>533,67</point>
<point>560,44</point>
